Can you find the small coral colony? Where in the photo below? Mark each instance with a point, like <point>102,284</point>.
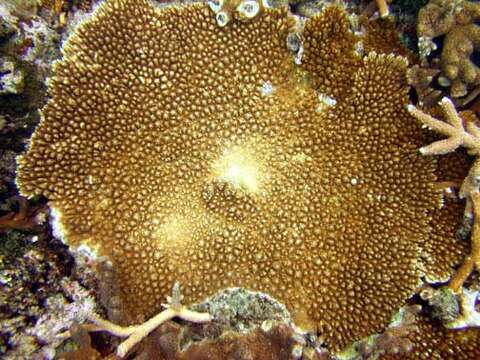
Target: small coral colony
<point>306,171</point>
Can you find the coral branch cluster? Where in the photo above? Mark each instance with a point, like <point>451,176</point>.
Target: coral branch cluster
<point>456,20</point>
<point>135,334</point>
<point>461,131</point>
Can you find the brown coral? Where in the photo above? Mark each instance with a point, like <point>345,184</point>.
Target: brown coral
<point>275,343</point>
<point>382,36</point>
<point>445,247</point>
<point>329,54</point>
<point>193,153</point>
<point>456,20</point>
<point>448,222</point>
<point>432,341</point>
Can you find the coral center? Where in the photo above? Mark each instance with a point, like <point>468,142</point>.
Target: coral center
<point>239,168</point>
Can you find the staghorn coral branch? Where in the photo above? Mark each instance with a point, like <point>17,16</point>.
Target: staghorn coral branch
<point>473,129</point>
<point>382,8</point>
<point>135,334</point>
<point>458,134</point>
<point>466,134</point>
<point>476,230</point>
<point>469,315</point>
<point>100,324</point>
<point>461,275</point>
<point>473,260</point>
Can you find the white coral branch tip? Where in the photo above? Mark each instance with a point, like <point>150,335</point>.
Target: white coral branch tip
<point>459,133</point>
<point>470,317</point>
<point>137,333</point>
<point>453,127</point>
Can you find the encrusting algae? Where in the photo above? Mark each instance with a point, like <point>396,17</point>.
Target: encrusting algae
<point>184,149</point>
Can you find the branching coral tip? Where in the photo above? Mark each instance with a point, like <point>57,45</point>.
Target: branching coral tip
<point>135,334</point>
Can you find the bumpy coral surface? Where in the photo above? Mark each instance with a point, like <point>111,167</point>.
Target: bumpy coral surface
<point>432,341</point>
<point>189,152</point>
<point>447,246</point>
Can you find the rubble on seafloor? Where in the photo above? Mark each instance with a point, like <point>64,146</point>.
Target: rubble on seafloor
<point>43,289</point>
<point>46,292</point>
<point>43,292</point>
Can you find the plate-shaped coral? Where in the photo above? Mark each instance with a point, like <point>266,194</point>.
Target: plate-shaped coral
<point>189,152</point>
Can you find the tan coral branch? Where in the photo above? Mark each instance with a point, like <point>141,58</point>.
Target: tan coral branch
<point>459,133</point>
<point>135,334</point>
<point>383,8</point>
<point>466,134</point>
<point>457,281</point>
<point>476,230</point>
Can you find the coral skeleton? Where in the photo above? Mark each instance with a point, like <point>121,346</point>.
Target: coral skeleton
<point>135,334</point>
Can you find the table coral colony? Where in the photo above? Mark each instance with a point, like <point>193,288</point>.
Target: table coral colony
<point>191,147</point>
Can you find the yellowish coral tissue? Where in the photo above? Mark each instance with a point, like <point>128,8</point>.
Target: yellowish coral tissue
<point>192,148</point>
<point>239,168</point>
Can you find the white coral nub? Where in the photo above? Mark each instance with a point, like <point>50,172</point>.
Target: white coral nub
<point>221,15</point>
<point>248,9</point>
<point>267,88</point>
<point>226,10</point>
<point>216,5</point>
<point>222,18</point>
